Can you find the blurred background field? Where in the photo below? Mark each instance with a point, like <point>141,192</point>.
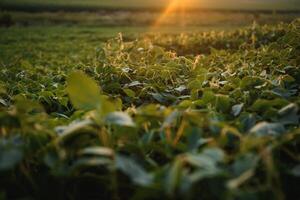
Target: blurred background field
<point>200,13</point>
<point>150,4</point>
<point>59,26</point>
<point>201,19</point>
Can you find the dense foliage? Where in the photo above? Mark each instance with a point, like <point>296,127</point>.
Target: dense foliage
<point>190,116</point>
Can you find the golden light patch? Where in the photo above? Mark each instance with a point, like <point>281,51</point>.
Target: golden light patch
<point>178,7</point>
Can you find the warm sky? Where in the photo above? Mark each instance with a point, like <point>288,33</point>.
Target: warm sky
<point>231,4</point>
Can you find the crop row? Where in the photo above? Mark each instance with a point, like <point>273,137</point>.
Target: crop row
<point>138,121</point>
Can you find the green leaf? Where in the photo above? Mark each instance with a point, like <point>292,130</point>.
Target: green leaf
<point>262,105</point>
<point>216,154</point>
<point>200,174</point>
<point>181,88</point>
<point>90,162</point>
<point>129,92</point>
<point>237,109</point>
<point>207,159</point>
<point>244,163</point>
<point>97,151</point>
<point>201,161</point>
<point>174,176</point>
<point>119,118</point>
<point>171,119</point>
<point>206,163</point>
<point>132,169</point>
<point>134,83</point>
<point>195,84</point>
<point>73,127</point>
<point>289,114</point>
<point>76,131</point>
<point>266,128</point>
<point>159,97</point>
<point>222,103</point>
<point>249,82</point>
<point>247,121</point>
<point>83,91</point>
<point>185,104</point>
<point>3,102</point>
<point>108,105</point>
<point>2,88</point>
<point>207,97</point>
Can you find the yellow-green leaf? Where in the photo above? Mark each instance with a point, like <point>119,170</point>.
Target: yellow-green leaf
<point>83,91</point>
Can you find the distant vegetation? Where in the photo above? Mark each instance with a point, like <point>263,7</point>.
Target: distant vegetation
<point>205,20</point>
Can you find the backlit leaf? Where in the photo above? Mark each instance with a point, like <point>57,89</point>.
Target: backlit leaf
<point>119,118</point>
<point>83,91</point>
<point>266,128</point>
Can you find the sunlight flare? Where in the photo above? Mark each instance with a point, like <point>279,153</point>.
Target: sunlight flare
<point>178,7</point>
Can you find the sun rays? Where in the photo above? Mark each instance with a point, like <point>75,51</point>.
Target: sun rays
<point>177,7</point>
